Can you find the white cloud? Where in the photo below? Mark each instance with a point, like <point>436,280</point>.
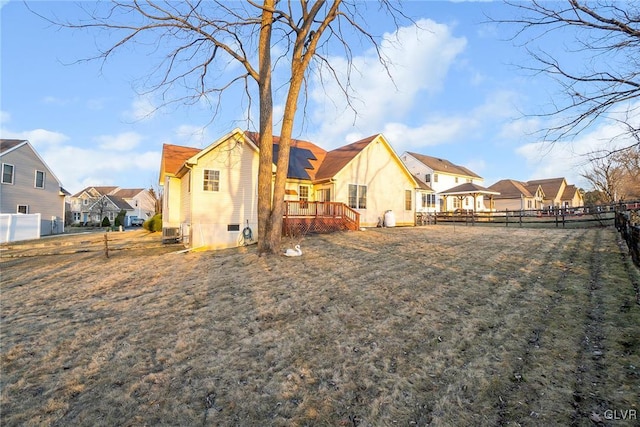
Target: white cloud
<point>5,117</point>
<point>55,101</point>
<point>569,159</point>
<point>142,108</point>
<point>419,58</point>
<point>37,137</point>
<point>80,167</point>
<point>193,136</point>
<point>126,141</point>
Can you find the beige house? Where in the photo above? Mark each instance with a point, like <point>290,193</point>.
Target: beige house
<point>536,194</point>
<point>557,193</point>
<point>210,195</point>
<point>517,195</point>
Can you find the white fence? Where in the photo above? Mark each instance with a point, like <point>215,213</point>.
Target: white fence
<point>14,227</point>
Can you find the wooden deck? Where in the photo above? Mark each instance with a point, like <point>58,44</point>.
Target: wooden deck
<point>318,217</point>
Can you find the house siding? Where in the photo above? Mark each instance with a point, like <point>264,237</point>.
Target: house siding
<point>47,201</point>
<point>171,199</point>
<point>444,182</point>
<point>386,183</point>
<point>235,204</point>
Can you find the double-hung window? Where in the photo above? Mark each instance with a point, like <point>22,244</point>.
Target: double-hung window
<point>211,180</point>
<point>408,198</point>
<point>39,183</point>
<point>7,173</point>
<point>357,196</point>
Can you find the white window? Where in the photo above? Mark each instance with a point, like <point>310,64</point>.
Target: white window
<point>23,209</point>
<point>435,177</point>
<point>429,200</point>
<point>303,193</point>
<point>357,196</point>
<point>211,180</point>
<point>7,173</point>
<point>39,179</point>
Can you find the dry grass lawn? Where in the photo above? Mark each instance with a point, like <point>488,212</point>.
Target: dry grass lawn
<point>431,325</point>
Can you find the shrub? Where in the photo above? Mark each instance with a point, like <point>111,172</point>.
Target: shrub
<point>120,218</point>
<point>154,223</point>
<point>106,222</point>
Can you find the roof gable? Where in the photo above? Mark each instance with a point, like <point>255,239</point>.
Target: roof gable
<point>551,186</point>
<point>96,191</point>
<point>7,145</point>
<point>511,189</point>
<point>443,165</point>
<point>173,157</point>
<point>570,192</point>
<point>337,159</point>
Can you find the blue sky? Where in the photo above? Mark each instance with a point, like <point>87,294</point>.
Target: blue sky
<point>459,94</point>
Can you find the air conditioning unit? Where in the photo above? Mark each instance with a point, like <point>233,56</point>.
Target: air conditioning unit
<point>171,235</point>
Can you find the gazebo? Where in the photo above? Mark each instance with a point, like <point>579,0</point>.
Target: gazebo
<point>469,189</point>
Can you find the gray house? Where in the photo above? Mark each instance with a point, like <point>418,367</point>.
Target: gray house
<point>28,186</point>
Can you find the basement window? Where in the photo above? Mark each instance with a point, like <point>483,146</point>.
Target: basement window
<point>233,227</point>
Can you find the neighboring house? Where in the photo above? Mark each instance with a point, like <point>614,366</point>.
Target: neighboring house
<point>517,195</point>
<point>441,175</point>
<point>142,202</point>
<point>210,195</point>
<point>538,194</point>
<point>92,204</point>
<point>28,186</point>
<point>557,193</point>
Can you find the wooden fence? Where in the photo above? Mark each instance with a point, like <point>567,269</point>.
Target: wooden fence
<point>598,216</point>
<point>628,224</point>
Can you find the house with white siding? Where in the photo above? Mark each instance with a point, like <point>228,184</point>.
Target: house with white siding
<point>441,176</point>
<point>210,195</point>
<point>91,204</point>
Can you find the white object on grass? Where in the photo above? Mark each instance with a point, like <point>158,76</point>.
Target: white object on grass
<point>294,252</point>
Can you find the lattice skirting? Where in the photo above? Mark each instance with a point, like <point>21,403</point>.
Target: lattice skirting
<point>301,226</point>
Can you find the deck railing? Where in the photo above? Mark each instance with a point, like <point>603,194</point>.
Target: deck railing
<point>322,217</point>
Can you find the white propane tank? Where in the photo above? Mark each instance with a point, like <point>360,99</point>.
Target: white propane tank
<point>389,219</point>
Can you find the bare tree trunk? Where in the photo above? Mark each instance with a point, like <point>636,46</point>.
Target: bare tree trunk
<point>265,143</point>
<point>303,50</point>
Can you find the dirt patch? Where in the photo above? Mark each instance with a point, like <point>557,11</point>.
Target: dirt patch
<point>409,326</point>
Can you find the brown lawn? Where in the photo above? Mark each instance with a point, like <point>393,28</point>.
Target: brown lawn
<point>420,326</point>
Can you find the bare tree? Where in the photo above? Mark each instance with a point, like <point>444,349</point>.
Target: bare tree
<point>604,82</point>
<point>196,41</point>
<point>617,176</point>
